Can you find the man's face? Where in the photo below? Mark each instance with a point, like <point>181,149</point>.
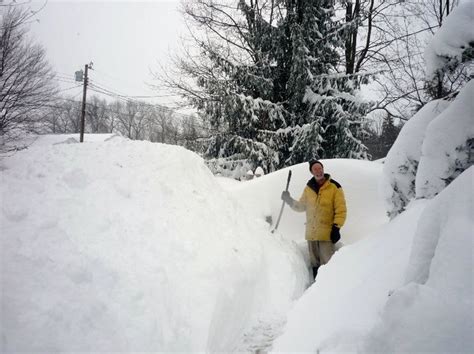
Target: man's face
<point>318,171</point>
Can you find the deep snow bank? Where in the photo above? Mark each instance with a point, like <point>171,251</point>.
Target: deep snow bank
<point>131,246</point>
<point>407,288</point>
<point>432,310</point>
<point>337,311</point>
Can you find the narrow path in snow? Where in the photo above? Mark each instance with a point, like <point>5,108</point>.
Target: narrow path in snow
<point>260,338</point>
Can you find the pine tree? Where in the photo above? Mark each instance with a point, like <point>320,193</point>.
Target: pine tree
<point>284,99</point>
<point>243,117</point>
<point>389,133</point>
<point>243,112</point>
<point>330,116</point>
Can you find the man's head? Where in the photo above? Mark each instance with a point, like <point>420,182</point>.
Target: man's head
<point>317,169</point>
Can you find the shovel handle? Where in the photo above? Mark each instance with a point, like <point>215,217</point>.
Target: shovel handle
<point>283,203</point>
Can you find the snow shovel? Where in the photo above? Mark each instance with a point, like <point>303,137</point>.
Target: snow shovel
<point>283,202</point>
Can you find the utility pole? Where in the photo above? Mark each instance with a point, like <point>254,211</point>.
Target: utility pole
<point>83,115</point>
<point>85,80</point>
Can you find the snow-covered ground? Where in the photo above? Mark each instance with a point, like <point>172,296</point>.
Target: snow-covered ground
<point>123,246</point>
<point>118,245</point>
<point>407,288</point>
<point>343,305</point>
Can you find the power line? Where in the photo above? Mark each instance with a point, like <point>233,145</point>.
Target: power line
<point>100,72</point>
<point>65,80</point>
<point>106,92</point>
<point>126,98</point>
<point>100,88</point>
<point>70,88</point>
<point>67,77</point>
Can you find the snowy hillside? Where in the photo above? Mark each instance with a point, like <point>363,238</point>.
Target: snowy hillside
<point>128,246</point>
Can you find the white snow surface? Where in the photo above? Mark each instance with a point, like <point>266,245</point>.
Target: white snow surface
<point>446,145</point>
<point>342,306</point>
<point>433,310</point>
<point>449,42</point>
<point>126,246</point>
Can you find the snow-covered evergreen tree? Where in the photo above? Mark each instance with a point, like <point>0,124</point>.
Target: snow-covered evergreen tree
<point>276,94</point>
<point>437,144</point>
<point>448,148</point>
<point>239,99</point>
<point>401,164</point>
<point>328,114</point>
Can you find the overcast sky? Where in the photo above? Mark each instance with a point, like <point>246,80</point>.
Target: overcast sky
<point>123,39</point>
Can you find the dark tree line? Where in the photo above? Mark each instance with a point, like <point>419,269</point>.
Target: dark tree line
<point>380,136</point>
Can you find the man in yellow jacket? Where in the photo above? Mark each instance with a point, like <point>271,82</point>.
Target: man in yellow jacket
<point>325,206</point>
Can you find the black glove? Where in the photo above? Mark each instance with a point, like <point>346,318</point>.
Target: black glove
<point>285,196</point>
<point>335,234</point>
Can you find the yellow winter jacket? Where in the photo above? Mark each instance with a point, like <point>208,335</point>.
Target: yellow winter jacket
<point>324,205</point>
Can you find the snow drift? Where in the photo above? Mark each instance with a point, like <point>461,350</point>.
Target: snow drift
<point>406,288</point>
<point>432,311</point>
<point>132,246</point>
<point>337,311</point>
